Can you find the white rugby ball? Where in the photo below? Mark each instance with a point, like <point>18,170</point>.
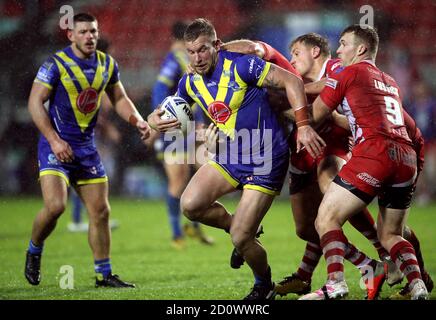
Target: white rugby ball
<point>176,107</point>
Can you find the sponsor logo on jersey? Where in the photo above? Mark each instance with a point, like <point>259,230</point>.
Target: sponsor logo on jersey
<point>368,179</point>
<point>250,68</point>
<point>345,181</point>
<point>196,77</point>
<point>89,71</point>
<point>219,111</point>
<point>234,86</point>
<point>52,159</point>
<point>259,71</point>
<point>335,65</point>
<point>87,100</point>
<point>43,75</point>
<point>70,64</point>
<point>338,70</point>
<point>93,170</point>
<point>227,73</point>
<point>332,83</point>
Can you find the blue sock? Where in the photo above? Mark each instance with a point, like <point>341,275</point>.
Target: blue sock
<point>103,266</point>
<point>264,281</point>
<point>77,208</point>
<point>34,249</point>
<point>173,205</point>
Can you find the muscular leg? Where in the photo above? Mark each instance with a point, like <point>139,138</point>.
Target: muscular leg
<point>362,221</point>
<point>337,206</point>
<point>54,193</point>
<point>328,169</point>
<point>95,198</point>
<point>304,206</point>
<point>249,213</point>
<point>305,209</point>
<point>199,203</point>
<point>55,196</point>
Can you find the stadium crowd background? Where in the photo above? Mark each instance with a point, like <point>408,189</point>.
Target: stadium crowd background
<point>139,34</point>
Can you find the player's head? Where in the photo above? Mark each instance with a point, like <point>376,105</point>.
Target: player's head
<point>178,30</point>
<point>357,44</point>
<point>202,45</point>
<point>306,49</point>
<point>84,34</point>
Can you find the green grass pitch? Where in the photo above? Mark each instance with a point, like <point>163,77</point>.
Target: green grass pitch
<point>141,253</point>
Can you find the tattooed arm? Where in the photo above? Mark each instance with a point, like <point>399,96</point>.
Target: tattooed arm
<point>280,78</point>
<point>244,46</point>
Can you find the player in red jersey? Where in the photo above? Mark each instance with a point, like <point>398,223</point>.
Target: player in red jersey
<point>383,162</point>
<point>309,177</point>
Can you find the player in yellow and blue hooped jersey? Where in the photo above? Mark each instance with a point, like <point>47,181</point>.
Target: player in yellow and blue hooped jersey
<point>178,174</point>
<point>72,83</point>
<point>229,89</point>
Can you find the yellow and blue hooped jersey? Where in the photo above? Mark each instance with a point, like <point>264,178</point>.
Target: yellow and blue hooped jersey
<point>236,83</point>
<point>77,86</point>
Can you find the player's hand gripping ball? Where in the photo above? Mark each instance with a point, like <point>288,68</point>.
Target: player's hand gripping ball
<point>176,107</point>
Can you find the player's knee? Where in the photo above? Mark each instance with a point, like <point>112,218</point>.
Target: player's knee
<point>100,214</point>
<point>190,207</point>
<point>240,240</point>
<point>55,208</point>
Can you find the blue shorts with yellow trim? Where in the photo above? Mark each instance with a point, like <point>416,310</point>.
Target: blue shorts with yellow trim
<point>242,176</point>
<point>86,168</point>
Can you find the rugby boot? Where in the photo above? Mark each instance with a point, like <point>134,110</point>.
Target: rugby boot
<point>333,290</point>
<point>261,292</point>
<point>418,291</point>
<point>32,270</point>
<point>405,292</point>
<point>293,284</point>
<point>113,281</point>
<point>394,275</point>
<point>374,283</point>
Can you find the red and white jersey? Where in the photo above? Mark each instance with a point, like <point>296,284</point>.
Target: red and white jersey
<point>328,67</point>
<point>370,99</point>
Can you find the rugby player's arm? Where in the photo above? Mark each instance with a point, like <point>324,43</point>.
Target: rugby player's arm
<point>278,77</point>
<point>320,111</point>
<point>244,46</point>
<point>126,109</point>
<point>39,94</point>
<point>314,87</point>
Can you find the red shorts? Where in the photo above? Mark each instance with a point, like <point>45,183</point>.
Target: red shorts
<point>337,140</point>
<point>377,164</point>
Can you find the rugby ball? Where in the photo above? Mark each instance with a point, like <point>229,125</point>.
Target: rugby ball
<point>176,107</point>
